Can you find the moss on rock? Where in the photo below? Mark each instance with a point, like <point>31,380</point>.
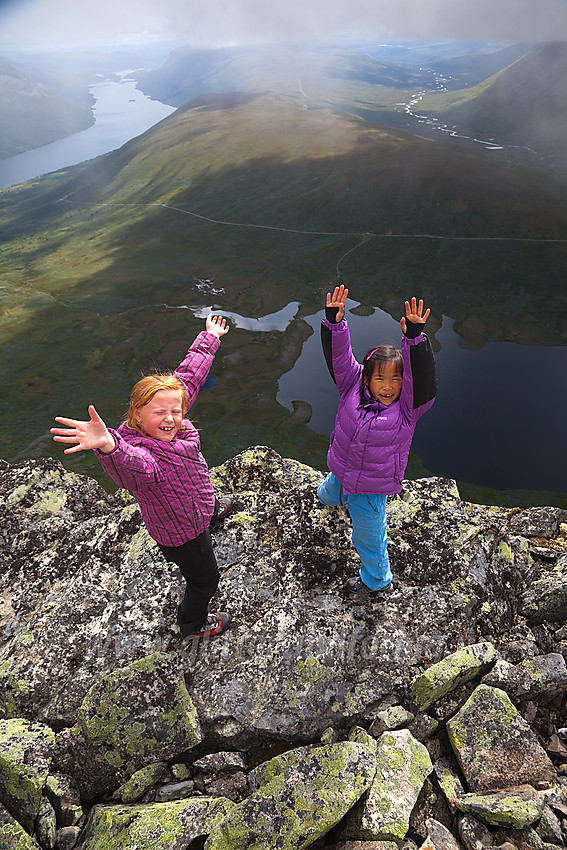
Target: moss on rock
<point>158,826</point>
<point>459,667</point>
<point>26,750</point>
<point>301,795</point>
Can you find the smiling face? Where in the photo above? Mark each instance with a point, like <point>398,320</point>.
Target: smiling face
<point>385,383</point>
<point>162,416</point>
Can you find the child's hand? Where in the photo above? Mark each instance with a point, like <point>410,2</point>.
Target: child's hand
<point>338,300</point>
<point>88,435</point>
<point>414,313</point>
<point>216,325</point>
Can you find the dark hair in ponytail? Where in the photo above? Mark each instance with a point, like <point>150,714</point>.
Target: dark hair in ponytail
<point>380,355</point>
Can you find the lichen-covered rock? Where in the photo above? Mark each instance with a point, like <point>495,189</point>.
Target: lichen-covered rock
<point>156,826</point>
<point>515,808</point>
<point>493,742</point>
<point>26,750</point>
<point>142,781</point>
<point>137,715</point>
<point>531,677</point>
<point>449,782</point>
<point>402,766</point>
<point>439,837</point>
<point>215,762</point>
<point>301,656</point>
<point>64,795</point>
<point>46,824</point>
<point>301,795</point>
<point>473,833</point>
<point>459,667</point>
<point>67,837</point>
<point>538,522</point>
<point>12,835</point>
<point>549,827</point>
<point>546,598</point>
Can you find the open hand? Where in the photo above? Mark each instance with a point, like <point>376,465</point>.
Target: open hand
<point>338,300</point>
<point>92,434</point>
<point>216,325</point>
<point>415,314</point>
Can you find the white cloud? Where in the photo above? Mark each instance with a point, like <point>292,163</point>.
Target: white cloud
<point>73,23</point>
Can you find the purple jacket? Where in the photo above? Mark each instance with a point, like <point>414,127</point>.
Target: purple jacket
<point>170,481</point>
<point>370,443</point>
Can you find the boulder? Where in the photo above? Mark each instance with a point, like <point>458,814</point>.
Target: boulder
<point>457,668</point>
<point>439,837</point>
<point>300,795</point>
<point>156,826</point>
<point>12,835</point>
<point>135,716</point>
<point>515,808</point>
<point>402,766</point>
<point>546,597</point>
<point>493,742</point>
<point>142,781</point>
<point>26,750</point>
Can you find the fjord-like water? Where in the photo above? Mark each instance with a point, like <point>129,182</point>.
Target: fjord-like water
<point>121,112</point>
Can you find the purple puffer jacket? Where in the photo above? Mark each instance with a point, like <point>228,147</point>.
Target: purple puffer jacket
<point>170,481</point>
<point>371,442</point>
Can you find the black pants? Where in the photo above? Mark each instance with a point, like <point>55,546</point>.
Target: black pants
<point>198,565</point>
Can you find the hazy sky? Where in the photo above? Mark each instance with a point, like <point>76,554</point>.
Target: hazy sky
<point>34,23</point>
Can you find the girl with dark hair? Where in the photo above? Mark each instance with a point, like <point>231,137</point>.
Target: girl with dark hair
<point>156,455</point>
<point>380,403</point>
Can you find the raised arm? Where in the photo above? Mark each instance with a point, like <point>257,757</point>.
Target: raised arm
<point>414,316</point>
<point>335,307</point>
<point>91,434</point>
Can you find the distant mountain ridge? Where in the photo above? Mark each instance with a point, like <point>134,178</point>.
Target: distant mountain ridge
<point>32,115</point>
<point>525,104</point>
<point>312,73</point>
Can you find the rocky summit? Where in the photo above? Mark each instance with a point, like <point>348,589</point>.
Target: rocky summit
<point>434,717</point>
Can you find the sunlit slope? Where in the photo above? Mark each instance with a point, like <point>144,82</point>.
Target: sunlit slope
<point>32,115</point>
<point>267,196</point>
<point>525,104</point>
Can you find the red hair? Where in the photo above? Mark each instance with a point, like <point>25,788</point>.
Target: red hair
<point>146,388</point>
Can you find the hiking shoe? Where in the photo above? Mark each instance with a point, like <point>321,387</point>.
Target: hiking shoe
<point>215,624</point>
<point>356,587</point>
<point>222,509</point>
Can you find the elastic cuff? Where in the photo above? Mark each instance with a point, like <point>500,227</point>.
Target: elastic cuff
<point>413,329</point>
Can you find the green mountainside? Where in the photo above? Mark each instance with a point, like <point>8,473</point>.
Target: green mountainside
<point>32,115</point>
<point>250,202</point>
<point>468,71</point>
<point>525,104</point>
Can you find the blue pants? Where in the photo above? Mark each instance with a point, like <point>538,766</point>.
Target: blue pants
<point>369,530</point>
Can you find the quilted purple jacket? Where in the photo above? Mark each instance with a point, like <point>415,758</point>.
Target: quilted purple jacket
<point>170,481</point>
<point>370,443</point>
